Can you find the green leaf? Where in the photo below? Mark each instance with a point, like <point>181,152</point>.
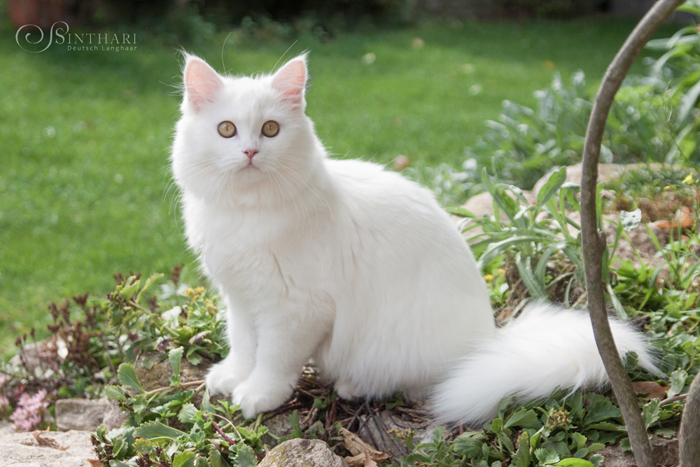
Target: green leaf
<point>184,459</point>
<point>116,316</point>
<point>201,462</point>
<point>550,188</point>
<point>188,413</point>
<point>145,446</point>
<point>149,282</point>
<point>599,205</point>
<point>119,448</point>
<point>547,456</point>
<point>617,306</point>
<point>688,102</point>
<point>505,441</point>
<point>127,376</point>
<point>606,426</point>
<point>115,393</point>
<point>651,412</point>
<point>496,249</point>
<point>497,425</point>
<point>522,457</point>
<point>461,212</point>
<point>595,447</point>
<point>245,458</point>
<point>575,402</point>
<point>574,463</point>
<point>215,457</point>
<point>155,430</point>
<point>525,269</point>
<point>129,287</point>
<point>579,439</point>
<point>601,409</point>
<point>469,444</point>
<point>139,404</point>
<point>625,444</point>
<point>522,417</point>
<point>206,406</point>
<point>175,356</point>
<point>294,423</point>
<point>678,379</point>
<point>193,356</point>
<point>541,268</point>
<point>499,195</point>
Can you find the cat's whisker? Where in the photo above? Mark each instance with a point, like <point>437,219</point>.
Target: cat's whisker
<point>300,183</point>
<point>296,198</point>
<point>312,189</point>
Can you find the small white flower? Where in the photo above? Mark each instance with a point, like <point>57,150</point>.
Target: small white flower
<point>62,349</point>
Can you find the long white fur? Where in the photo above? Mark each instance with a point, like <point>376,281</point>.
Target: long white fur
<point>546,348</point>
<point>351,265</point>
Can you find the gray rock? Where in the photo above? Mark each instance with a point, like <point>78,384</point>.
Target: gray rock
<point>80,414</point>
<point>21,449</point>
<point>481,205</point>
<point>573,174</point>
<point>665,453</point>
<point>30,357</point>
<point>302,453</point>
<point>605,172</point>
<point>6,427</point>
<point>279,426</point>
<point>639,237</point>
<point>155,374</point>
<point>114,417</point>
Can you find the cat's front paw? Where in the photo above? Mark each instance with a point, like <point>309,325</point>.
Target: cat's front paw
<point>223,379</point>
<point>346,390</point>
<point>254,397</point>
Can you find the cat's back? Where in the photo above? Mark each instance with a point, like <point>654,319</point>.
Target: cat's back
<point>386,198</point>
<point>389,217</point>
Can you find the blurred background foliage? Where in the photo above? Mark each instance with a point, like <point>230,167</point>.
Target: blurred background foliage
<point>85,186</point>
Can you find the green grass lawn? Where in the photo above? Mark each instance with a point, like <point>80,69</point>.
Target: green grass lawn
<point>84,136</point>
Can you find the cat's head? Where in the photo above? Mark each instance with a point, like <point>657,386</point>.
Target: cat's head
<point>241,139</point>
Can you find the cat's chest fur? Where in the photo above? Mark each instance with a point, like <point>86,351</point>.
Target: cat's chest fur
<point>248,250</point>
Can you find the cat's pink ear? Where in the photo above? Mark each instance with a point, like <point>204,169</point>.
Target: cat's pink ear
<point>290,81</point>
<point>202,83</point>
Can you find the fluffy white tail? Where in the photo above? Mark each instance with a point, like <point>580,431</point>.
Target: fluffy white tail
<point>544,349</point>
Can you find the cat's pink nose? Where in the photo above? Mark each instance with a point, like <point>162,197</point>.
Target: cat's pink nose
<point>250,153</point>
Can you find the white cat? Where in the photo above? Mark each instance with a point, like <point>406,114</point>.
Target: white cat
<point>349,264</point>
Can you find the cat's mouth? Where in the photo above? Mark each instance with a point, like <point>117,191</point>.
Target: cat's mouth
<point>250,166</point>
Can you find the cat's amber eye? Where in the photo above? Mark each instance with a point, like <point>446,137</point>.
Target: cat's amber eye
<point>227,129</point>
<point>270,128</point>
